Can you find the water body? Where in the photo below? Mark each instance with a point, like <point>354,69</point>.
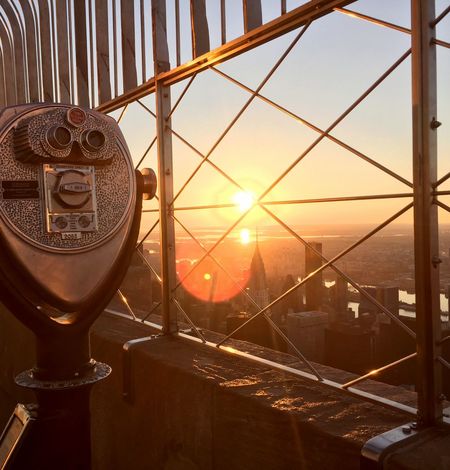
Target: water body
<point>410,299</point>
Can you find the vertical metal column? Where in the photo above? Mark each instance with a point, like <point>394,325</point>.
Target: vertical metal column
<point>426,235</point>
<point>165,167</point>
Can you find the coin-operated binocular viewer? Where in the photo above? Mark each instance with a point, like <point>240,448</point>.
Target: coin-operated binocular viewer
<point>70,211</point>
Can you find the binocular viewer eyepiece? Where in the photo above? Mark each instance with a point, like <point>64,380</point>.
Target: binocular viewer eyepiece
<point>69,212</point>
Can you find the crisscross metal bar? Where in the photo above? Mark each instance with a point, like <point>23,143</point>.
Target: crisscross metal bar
<point>272,324</point>
<point>186,316</point>
<point>180,98</point>
<point>152,143</point>
<point>330,263</point>
<point>147,234</point>
<point>387,24</point>
<point>153,309</point>
<point>122,114</point>
<point>150,267</point>
<point>127,305</point>
<point>379,370</point>
<point>313,127</point>
<point>442,205</point>
<point>337,121</point>
<point>442,180</point>
<point>441,16</point>
<point>444,362</point>
<point>243,108</point>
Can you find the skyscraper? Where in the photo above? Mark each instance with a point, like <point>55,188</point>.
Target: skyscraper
<point>313,287</point>
<point>257,282</point>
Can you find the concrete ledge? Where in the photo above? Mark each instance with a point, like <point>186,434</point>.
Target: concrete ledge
<point>195,407</point>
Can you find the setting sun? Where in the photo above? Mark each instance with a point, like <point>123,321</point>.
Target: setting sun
<point>244,200</point>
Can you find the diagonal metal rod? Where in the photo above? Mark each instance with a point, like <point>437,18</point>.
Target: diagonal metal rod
<point>127,305</point>
<point>146,108</point>
<point>371,19</point>
<point>441,180</point>
<point>387,24</point>
<point>443,205</point>
<point>441,16</point>
<point>152,143</point>
<point>186,88</point>
<point>444,362</point>
<point>205,159</point>
<point>379,370</point>
<point>153,309</point>
<point>147,234</point>
<point>195,150</point>
<point>298,353</point>
<point>243,108</point>
<point>122,114</point>
<point>314,127</point>
<point>224,235</point>
<point>330,263</point>
<point>186,316</point>
<point>150,267</point>
<point>337,121</point>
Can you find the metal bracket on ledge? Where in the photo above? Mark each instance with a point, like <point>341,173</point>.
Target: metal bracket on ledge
<point>127,382</point>
<point>376,450</point>
<point>426,447</point>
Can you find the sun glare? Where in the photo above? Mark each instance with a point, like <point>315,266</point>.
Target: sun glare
<point>244,200</point>
<point>245,236</point>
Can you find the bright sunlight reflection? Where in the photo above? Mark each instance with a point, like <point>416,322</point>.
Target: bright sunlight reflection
<point>244,200</point>
<point>245,236</point>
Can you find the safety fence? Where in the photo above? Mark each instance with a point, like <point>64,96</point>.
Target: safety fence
<point>203,60</point>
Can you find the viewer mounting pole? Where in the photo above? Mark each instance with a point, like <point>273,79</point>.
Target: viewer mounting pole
<point>426,229</point>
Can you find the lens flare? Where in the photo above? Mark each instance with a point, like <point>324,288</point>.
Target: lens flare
<point>244,200</point>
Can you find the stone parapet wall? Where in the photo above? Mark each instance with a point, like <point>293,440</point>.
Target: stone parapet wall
<point>194,407</point>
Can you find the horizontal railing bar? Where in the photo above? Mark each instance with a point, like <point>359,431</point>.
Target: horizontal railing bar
<point>127,317</point>
<point>379,370</point>
<point>254,38</point>
<point>338,199</point>
<point>293,201</point>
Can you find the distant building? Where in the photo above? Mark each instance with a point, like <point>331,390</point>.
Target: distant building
<point>350,348</point>
<point>257,285</point>
<point>313,287</point>
<point>306,330</point>
<point>339,299</point>
<point>386,296</point>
